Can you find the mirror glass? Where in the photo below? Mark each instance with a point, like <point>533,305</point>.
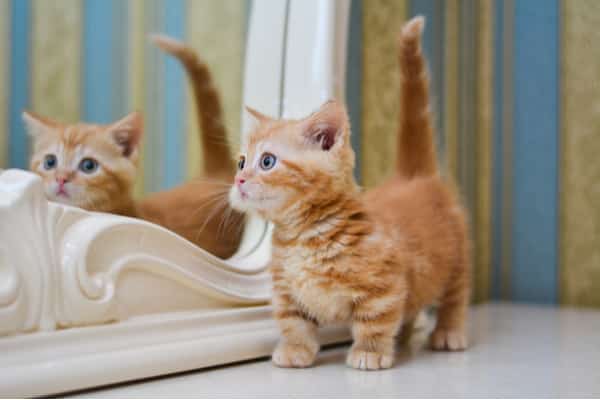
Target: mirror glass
<point>93,61</point>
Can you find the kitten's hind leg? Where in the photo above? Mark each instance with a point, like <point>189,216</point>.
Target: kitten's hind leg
<point>450,329</point>
<point>375,324</point>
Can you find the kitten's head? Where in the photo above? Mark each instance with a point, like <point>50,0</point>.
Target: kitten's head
<point>287,162</point>
<point>85,165</point>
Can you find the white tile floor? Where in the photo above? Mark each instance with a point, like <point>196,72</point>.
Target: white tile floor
<point>516,350</point>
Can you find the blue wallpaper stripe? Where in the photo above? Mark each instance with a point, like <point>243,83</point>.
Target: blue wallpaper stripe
<point>18,144</point>
<point>98,74</point>
<point>354,61</point>
<point>174,99</point>
<point>536,130</point>
<point>104,88</point>
<point>497,175</point>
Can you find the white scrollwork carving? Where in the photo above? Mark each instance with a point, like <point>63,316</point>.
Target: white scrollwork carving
<point>62,266</point>
<point>26,260</point>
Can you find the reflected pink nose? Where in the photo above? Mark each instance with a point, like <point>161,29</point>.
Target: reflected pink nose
<point>240,181</point>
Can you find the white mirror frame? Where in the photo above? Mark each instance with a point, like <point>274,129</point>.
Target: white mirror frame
<point>89,299</point>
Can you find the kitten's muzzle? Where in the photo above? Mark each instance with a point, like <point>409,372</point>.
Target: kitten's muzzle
<point>239,183</point>
<point>61,190</point>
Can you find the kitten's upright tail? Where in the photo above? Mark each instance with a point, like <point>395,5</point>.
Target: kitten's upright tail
<point>416,146</point>
<point>217,156</point>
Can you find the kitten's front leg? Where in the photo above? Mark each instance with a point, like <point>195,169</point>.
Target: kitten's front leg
<point>374,327</point>
<point>298,345</point>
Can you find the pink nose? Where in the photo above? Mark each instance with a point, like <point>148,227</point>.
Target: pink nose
<point>61,182</point>
<point>240,181</point>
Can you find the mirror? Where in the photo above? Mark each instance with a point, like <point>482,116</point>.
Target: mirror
<point>92,61</point>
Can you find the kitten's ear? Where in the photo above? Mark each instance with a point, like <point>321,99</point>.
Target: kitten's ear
<point>127,132</point>
<point>327,125</point>
<point>36,125</point>
<point>260,117</point>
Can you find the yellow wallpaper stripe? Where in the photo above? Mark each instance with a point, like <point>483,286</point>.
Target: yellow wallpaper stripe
<point>580,170</point>
<point>193,26</point>
<point>55,64</point>
<point>382,20</point>
<point>137,44</point>
<point>483,155</point>
<point>451,79</point>
<point>215,29</point>
<point>4,80</point>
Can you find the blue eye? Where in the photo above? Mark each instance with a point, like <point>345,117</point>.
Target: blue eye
<point>50,161</point>
<point>267,161</point>
<point>88,165</point>
<point>241,163</point>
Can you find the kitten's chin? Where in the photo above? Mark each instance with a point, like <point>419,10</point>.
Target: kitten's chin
<point>248,204</point>
<point>237,203</point>
<point>67,198</point>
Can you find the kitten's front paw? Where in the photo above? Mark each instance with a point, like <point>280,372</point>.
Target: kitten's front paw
<point>287,355</point>
<point>369,360</point>
<point>450,340</point>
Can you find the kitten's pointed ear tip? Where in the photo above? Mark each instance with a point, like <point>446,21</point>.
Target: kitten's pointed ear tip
<point>135,116</point>
<point>251,110</point>
<point>28,116</point>
<point>334,106</point>
<point>256,114</point>
<point>138,118</point>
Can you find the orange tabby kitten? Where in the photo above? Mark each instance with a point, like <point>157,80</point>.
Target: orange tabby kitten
<point>86,165</point>
<point>94,167</point>
<point>374,259</point>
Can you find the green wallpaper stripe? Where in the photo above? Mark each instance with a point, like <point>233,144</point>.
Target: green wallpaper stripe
<point>579,244</point>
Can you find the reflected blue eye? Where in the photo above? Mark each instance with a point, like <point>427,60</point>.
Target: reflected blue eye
<point>267,161</point>
<point>241,163</point>
<point>88,165</point>
<point>50,161</point>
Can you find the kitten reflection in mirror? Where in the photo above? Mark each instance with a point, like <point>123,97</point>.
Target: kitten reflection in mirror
<point>87,165</point>
<point>372,259</point>
<point>94,166</point>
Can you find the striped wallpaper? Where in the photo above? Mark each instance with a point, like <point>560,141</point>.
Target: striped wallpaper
<point>516,97</point>
<point>91,60</point>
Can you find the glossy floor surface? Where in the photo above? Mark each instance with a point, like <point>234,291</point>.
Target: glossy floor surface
<point>516,351</point>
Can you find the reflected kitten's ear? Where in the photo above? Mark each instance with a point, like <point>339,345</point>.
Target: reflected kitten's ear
<point>260,117</point>
<point>327,125</point>
<point>127,132</point>
<point>36,125</point>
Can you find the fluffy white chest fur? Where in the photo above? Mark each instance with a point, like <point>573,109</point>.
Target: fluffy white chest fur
<point>313,293</point>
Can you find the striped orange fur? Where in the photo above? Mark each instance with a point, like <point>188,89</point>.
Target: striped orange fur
<point>372,259</point>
